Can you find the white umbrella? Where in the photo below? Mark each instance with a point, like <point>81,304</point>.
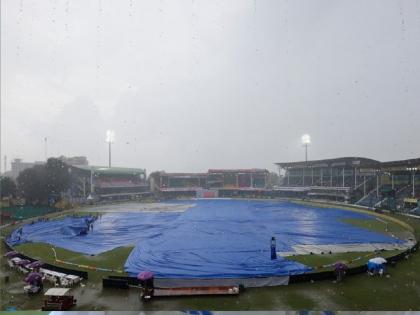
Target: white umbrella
<point>378,260</point>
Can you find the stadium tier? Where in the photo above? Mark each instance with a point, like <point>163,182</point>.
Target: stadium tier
<point>357,180</point>
<point>390,185</point>
<point>107,183</point>
<point>216,182</point>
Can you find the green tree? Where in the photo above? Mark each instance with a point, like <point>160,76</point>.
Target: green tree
<point>32,184</point>
<point>58,176</point>
<point>39,183</point>
<point>7,187</point>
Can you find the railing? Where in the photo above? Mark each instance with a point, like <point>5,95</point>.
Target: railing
<point>380,203</point>
<point>372,198</point>
<point>403,192</point>
<point>362,184</point>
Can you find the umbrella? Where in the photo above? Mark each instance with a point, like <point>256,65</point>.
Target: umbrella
<point>23,262</point>
<point>33,277</point>
<point>378,260</point>
<point>11,254</point>
<point>35,264</point>
<point>145,275</point>
<point>340,266</point>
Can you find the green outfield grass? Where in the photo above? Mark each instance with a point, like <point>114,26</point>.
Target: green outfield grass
<point>326,259</point>
<point>113,259</point>
<point>379,225</point>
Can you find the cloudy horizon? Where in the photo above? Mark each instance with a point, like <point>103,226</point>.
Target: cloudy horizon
<point>192,85</point>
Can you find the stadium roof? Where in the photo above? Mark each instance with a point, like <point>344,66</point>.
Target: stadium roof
<point>364,163</point>
<point>342,161</point>
<point>249,170</point>
<point>103,170</point>
<point>402,163</point>
<point>182,174</point>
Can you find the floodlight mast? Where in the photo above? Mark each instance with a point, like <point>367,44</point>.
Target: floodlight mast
<point>110,136</point>
<point>306,140</point>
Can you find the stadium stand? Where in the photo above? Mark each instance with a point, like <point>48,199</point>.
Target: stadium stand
<point>370,200</point>
<point>107,183</point>
<point>362,181</point>
<point>216,182</point>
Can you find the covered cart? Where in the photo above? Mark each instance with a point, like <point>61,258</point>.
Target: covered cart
<point>58,299</point>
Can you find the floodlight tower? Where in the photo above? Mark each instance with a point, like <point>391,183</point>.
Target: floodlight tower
<point>413,176</point>
<point>306,140</point>
<point>110,137</point>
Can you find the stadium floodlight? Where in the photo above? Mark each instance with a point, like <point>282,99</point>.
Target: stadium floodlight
<point>413,176</point>
<point>306,140</point>
<point>110,138</point>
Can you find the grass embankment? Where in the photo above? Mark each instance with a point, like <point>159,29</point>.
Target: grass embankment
<point>399,291</point>
<point>351,259</point>
<point>353,208</point>
<point>113,259</point>
<point>380,225</point>
<point>386,225</point>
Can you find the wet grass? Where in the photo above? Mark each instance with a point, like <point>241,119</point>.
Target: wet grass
<point>387,227</point>
<point>379,225</point>
<point>381,216</point>
<point>352,259</point>
<point>113,259</point>
<point>299,301</point>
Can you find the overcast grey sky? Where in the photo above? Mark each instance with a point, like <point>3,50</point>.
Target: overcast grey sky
<point>191,85</point>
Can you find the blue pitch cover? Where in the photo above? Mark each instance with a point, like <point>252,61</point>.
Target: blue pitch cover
<point>215,238</point>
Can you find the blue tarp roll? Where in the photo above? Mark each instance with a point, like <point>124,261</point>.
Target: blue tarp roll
<point>212,239</point>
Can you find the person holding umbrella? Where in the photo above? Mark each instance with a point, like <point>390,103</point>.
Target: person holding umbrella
<point>35,265</point>
<point>340,269</point>
<point>376,266</point>
<point>11,254</point>
<point>34,281</point>
<point>147,284</point>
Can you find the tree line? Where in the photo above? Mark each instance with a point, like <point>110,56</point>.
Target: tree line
<point>38,184</point>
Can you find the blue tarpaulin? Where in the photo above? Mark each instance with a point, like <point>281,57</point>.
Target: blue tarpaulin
<point>109,231</point>
<point>212,239</point>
